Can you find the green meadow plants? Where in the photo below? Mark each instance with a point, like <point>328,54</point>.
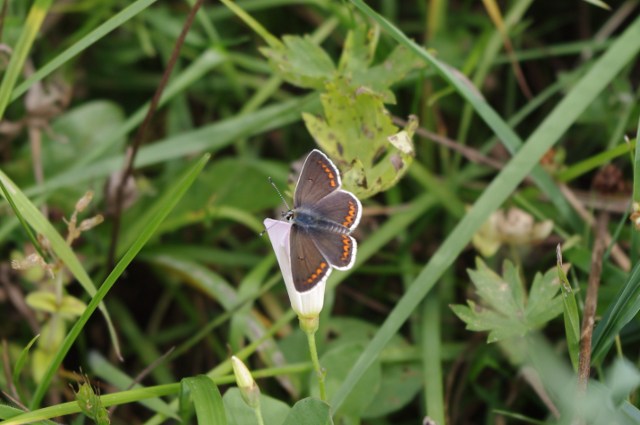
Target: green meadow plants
<point>151,274</point>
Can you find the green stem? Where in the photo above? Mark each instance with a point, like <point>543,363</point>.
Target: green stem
<point>310,325</point>
<point>258,413</point>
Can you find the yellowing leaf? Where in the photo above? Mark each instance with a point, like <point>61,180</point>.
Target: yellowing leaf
<point>356,134</point>
<point>42,301</point>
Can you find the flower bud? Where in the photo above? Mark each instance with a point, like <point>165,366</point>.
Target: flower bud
<point>248,387</point>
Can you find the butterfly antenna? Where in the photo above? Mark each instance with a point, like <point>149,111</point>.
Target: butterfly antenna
<point>279,194</point>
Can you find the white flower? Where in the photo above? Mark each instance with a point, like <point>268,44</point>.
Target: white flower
<point>513,227</point>
<point>306,304</point>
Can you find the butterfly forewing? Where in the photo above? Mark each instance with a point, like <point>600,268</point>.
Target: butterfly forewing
<point>308,265</point>
<point>318,178</point>
<point>338,249</point>
<point>341,207</point>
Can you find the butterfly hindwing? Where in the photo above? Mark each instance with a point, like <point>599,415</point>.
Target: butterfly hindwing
<point>341,207</point>
<point>338,249</point>
<point>318,178</point>
<point>308,265</point>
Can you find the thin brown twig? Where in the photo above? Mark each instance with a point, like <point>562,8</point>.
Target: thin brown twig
<point>591,300</point>
<point>469,153</point>
<point>142,130</point>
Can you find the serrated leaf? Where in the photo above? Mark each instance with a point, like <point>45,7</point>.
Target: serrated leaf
<point>391,70</point>
<point>355,133</point>
<point>359,46</point>
<point>544,304</point>
<point>502,295</point>
<point>505,312</point>
<point>358,53</point>
<point>301,62</point>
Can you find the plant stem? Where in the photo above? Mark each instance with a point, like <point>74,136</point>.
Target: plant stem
<point>310,326</point>
<point>258,413</point>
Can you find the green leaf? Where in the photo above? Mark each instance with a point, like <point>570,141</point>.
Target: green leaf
<point>505,313</point>
<point>401,382</point>
<point>524,163</point>
<point>71,307</point>
<point>22,360</point>
<point>8,412</point>
<point>338,362</point>
<point>359,49</point>
<point>620,312</point>
<point>571,316</point>
<point>309,411</point>
<point>34,20</point>
<point>356,133</point>
<point>544,304</point>
<point>622,378</point>
<point>59,246</point>
<point>206,399</point>
<point>239,413</point>
<point>301,62</point>
<point>81,130</point>
<point>42,301</point>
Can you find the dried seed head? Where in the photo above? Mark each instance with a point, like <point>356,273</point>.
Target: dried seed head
<point>84,201</point>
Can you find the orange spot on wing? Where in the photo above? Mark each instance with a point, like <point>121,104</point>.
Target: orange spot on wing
<point>351,215</point>
<point>328,172</point>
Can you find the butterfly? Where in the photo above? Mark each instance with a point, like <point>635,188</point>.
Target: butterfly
<point>317,234</point>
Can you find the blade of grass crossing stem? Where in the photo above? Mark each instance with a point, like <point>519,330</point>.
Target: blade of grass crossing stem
<point>59,246</point>
<point>624,308</point>
<point>31,27</point>
<point>23,222</point>
<point>122,397</point>
<point>504,133</point>
<point>210,138</point>
<point>82,44</point>
<point>431,358</point>
<point>636,167</point>
<point>549,131</point>
<point>635,237</point>
<point>206,399</point>
<point>160,210</point>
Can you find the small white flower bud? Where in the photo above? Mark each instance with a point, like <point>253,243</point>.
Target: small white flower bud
<point>247,385</point>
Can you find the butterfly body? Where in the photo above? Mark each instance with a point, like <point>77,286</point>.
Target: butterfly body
<point>307,219</point>
<point>323,217</point>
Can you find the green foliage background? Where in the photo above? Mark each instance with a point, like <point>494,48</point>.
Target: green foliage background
<point>256,86</point>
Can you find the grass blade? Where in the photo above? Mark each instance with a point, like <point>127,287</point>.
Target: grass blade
<point>523,162</point>
<point>82,44</point>
<point>161,210</point>
<point>32,26</point>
